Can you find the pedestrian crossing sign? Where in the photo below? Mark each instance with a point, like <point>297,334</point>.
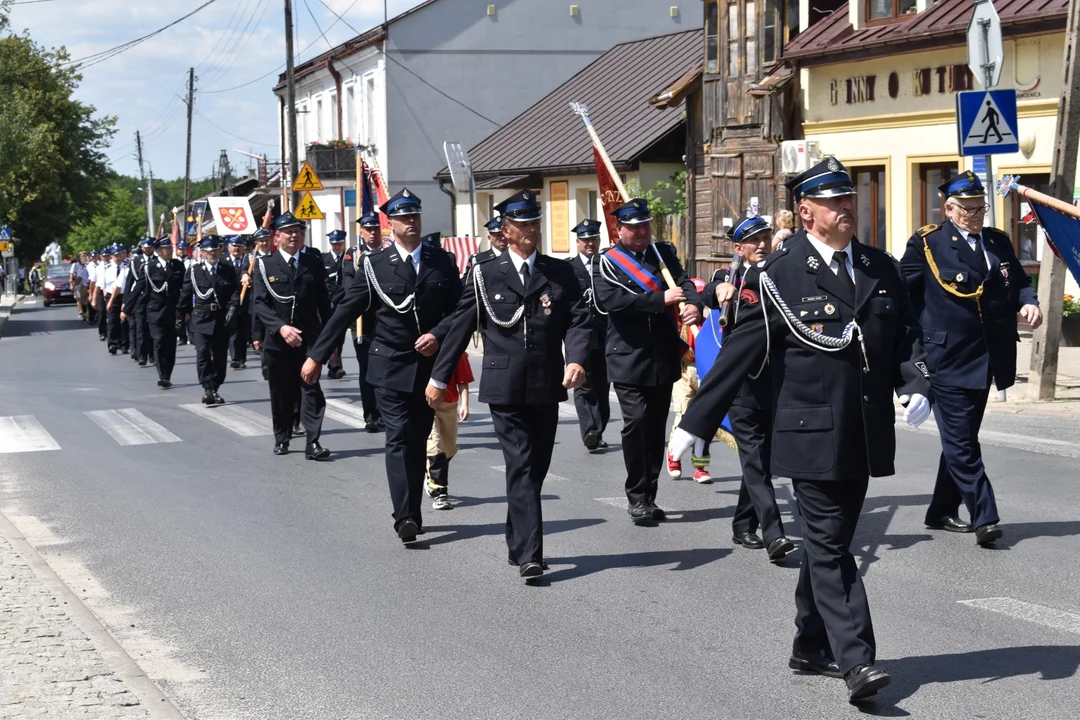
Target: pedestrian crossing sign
<point>986,122</point>
<point>308,209</point>
<point>5,233</point>
<point>306,179</point>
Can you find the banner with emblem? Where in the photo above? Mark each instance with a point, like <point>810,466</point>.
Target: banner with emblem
<point>233,215</point>
<point>610,197</point>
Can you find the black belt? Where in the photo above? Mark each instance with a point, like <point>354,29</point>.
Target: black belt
<point>213,307</point>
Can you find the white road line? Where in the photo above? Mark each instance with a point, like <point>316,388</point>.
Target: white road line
<point>1039,614</point>
<point>128,426</point>
<point>617,502</point>
<point>350,414</point>
<point>241,421</point>
<point>23,433</point>
<point>1047,446</point>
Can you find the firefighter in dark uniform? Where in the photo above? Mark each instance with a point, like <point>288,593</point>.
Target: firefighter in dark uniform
<point>643,346</point>
<point>333,262</point>
<point>142,346</point>
<point>832,319</point>
<point>241,330</point>
<point>967,287</point>
<point>527,304</point>
<point>414,288</point>
<point>751,411</point>
<point>496,244</point>
<point>292,304</point>
<point>371,241</point>
<point>591,399</point>
<point>261,238</point>
<point>187,262</point>
<point>161,284</point>
<point>210,301</point>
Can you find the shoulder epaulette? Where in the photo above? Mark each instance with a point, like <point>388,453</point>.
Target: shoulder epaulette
<point>926,230</point>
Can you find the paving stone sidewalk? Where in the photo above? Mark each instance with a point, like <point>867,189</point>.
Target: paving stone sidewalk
<point>48,667</point>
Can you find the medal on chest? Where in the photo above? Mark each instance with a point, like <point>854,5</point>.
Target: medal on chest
<point>545,302</point>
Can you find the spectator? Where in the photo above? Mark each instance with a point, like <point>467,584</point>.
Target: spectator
<point>442,442</point>
<point>784,222</point>
<point>80,284</point>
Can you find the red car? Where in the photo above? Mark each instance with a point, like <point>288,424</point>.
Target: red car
<point>57,286</point>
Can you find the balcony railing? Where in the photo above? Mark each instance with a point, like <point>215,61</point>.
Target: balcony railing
<point>332,163</point>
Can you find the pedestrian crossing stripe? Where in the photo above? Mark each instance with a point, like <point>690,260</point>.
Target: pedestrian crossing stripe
<point>308,209</point>
<point>345,413</point>
<point>241,421</point>
<point>306,179</point>
<point>128,426</point>
<point>23,433</point>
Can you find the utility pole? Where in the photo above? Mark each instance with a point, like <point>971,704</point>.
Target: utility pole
<point>142,179</point>
<point>1046,340</point>
<point>150,202</point>
<point>225,169</point>
<point>187,164</point>
<point>290,102</point>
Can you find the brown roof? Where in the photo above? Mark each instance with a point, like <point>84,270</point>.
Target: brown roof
<point>616,87</point>
<point>943,24</point>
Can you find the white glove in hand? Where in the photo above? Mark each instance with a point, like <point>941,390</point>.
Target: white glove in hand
<point>681,441</point>
<point>916,409</point>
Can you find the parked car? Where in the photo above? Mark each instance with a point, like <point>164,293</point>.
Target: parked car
<point>58,285</point>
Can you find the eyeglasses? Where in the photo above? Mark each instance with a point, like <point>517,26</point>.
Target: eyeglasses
<point>968,212</point>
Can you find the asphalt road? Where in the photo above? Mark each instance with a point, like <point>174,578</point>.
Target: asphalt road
<point>252,586</point>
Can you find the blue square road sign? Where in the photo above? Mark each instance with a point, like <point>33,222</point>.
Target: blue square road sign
<point>986,122</point>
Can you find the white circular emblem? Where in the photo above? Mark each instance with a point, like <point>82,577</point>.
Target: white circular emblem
<point>833,165</point>
<point>830,309</point>
<point>404,193</point>
<point>525,195</point>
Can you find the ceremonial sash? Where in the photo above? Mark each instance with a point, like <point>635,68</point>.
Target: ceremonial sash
<point>646,281</point>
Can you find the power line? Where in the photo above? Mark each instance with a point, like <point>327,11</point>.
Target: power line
<point>229,37</point>
<point>99,57</point>
<point>328,43</point>
<point>253,142</point>
<point>240,50</point>
<point>409,70</point>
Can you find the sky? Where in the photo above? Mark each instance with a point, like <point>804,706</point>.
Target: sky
<point>230,43</point>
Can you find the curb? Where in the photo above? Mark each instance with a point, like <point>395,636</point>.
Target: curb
<point>157,705</point>
<point>5,312</point>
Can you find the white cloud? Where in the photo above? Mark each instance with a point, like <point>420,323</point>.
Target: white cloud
<point>140,85</point>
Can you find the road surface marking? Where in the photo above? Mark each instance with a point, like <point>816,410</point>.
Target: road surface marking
<point>241,421</point>
<point>617,502</point>
<point>550,477</point>
<point>1039,614</point>
<point>345,413</point>
<point>128,426</point>
<point>23,433</point>
<point>1046,446</point>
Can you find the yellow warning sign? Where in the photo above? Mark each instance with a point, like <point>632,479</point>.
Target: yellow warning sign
<point>306,179</point>
<point>5,246</point>
<point>306,209</point>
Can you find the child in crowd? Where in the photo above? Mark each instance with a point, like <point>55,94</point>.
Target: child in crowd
<point>684,389</point>
<point>442,442</point>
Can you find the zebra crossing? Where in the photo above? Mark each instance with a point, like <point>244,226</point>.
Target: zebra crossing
<point>130,427</point>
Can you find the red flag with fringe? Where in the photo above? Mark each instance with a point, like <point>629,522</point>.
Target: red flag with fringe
<point>610,197</point>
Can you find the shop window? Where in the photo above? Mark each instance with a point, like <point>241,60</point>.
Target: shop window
<point>870,204</point>
<point>1024,234</point>
<point>712,37</point>
<point>931,207</point>
<point>889,9</point>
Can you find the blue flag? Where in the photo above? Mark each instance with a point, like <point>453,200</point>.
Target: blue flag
<point>1063,233</point>
<point>367,206</point>
<point>706,350</point>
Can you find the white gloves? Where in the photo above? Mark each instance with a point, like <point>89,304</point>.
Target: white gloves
<point>681,441</point>
<point>916,409</point>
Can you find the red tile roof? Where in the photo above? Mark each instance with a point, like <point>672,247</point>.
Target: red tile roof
<point>943,24</point>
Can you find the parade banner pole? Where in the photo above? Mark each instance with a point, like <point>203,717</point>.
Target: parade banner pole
<point>1009,184</point>
<point>583,110</point>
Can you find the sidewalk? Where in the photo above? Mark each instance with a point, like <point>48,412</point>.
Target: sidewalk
<point>1067,402</point>
<point>7,303</point>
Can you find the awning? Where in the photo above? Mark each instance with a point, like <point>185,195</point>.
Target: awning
<point>780,76</point>
<point>673,93</point>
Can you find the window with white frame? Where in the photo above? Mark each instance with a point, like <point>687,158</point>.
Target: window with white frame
<point>369,108</point>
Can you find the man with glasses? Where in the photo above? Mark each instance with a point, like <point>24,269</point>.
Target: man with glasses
<point>967,285</point>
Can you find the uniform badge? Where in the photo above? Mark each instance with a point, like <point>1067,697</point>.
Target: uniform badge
<point>833,165</point>
<point>812,262</point>
<point>1005,272</point>
<point>959,277</point>
<point>498,296</point>
<point>405,193</point>
<point>761,263</point>
<point>271,278</point>
<point>818,328</point>
<point>922,368</point>
<point>348,257</point>
<point>804,313</point>
<point>749,296</point>
<point>829,309</point>
<point>545,300</point>
<point>864,260</point>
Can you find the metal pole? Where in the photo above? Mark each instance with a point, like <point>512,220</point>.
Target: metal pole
<point>290,101</point>
<point>150,202</point>
<point>187,162</point>
<point>988,82</point>
<point>1046,340</point>
<point>472,202</point>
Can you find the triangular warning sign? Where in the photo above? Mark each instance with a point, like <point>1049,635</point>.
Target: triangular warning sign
<point>306,209</point>
<point>306,179</point>
<point>990,128</point>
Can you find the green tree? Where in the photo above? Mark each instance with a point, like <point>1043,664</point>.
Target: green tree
<point>52,162</point>
<point>119,217</point>
<point>674,187</point>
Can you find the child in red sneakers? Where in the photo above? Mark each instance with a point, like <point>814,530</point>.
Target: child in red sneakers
<point>685,388</point>
<point>442,442</point>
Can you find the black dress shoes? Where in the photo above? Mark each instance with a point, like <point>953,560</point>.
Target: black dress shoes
<point>371,427</point>
<point>281,448</point>
<point>218,400</point>
<point>950,524</point>
<point>778,550</point>
<point>819,662</point>
<point>208,397</point>
<point>641,514</point>
<point>531,570</point>
<point>514,563</point>
<point>591,440</point>
<point>166,384</point>
<point>407,531</point>
<point>863,681</point>
<point>297,431</point>
<point>748,540</point>
<point>601,445</point>
<point>315,451</point>
<point>988,534</point>
<point>657,513</point>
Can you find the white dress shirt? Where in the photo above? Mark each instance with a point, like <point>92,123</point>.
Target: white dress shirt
<point>415,255</point>
<point>520,262</point>
<point>974,244</point>
<point>827,252</point>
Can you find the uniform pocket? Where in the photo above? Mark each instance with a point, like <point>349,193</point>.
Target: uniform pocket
<point>496,361</point>
<point>884,306</point>
<point>805,435</point>
<point>934,337</point>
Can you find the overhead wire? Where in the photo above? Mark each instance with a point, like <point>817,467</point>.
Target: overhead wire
<point>253,142</point>
<point>221,37</point>
<point>229,36</point>
<point>216,76</point>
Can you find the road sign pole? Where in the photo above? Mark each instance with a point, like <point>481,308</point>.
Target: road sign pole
<point>472,202</point>
<point>988,82</point>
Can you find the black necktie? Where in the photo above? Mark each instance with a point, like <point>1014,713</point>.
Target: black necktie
<point>525,275</point>
<point>292,263</point>
<point>411,267</point>
<point>980,255</point>
<point>640,257</point>
<point>842,273</point>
